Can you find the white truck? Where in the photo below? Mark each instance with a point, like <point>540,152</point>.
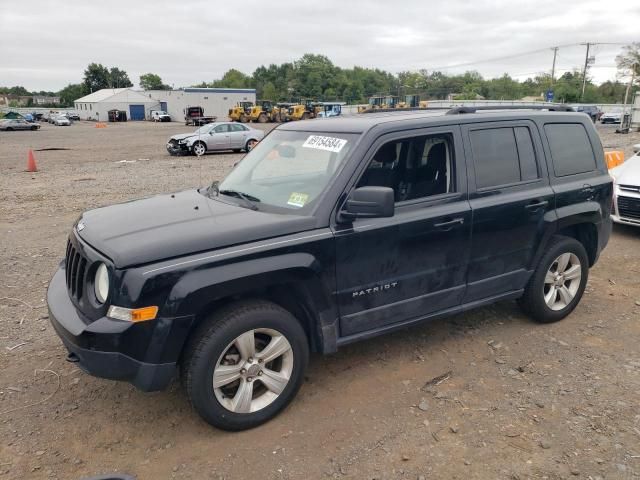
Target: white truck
<point>160,116</point>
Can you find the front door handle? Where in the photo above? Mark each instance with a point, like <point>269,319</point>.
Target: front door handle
<point>536,205</point>
<point>449,224</point>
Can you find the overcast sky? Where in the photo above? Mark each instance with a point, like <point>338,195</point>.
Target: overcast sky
<point>44,45</point>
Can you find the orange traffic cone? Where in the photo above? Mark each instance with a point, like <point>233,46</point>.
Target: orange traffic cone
<point>31,162</point>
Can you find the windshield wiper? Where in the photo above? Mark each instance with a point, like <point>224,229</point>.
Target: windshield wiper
<point>249,200</point>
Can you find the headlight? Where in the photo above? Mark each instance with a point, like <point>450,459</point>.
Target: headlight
<point>101,283</point>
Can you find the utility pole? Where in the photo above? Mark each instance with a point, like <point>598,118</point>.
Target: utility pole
<point>553,67</point>
<point>584,71</point>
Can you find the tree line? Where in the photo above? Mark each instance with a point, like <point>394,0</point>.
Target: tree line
<point>316,76</point>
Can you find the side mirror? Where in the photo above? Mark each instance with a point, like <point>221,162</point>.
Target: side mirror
<point>369,202</point>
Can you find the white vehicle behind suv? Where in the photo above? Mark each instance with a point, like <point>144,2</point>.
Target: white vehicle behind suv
<point>160,116</point>
<point>626,190</point>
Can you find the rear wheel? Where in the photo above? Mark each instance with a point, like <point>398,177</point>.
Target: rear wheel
<point>199,149</point>
<point>305,116</point>
<point>262,118</point>
<point>558,282</point>
<point>33,127</point>
<point>9,129</point>
<point>250,144</point>
<point>244,119</point>
<point>245,364</point>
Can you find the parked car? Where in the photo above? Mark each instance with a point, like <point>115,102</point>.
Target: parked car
<point>160,116</point>
<point>215,136</point>
<point>626,190</point>
<point>613,116</point>
<point>326,233</point>
<point>61,120</point>
<point>18,124</point>
<point>73,116</point>
<point>593,111</point>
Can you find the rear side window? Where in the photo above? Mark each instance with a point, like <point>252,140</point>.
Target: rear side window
<point>571,150</point>
<point>503,156</point>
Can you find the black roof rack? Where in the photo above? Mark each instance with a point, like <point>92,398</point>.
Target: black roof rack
<point>551,108</point>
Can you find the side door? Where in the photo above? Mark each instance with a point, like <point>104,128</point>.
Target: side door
<point>219,138</point>
<point>399,269</point>
<point>237,135</point>
<point>512,205</point>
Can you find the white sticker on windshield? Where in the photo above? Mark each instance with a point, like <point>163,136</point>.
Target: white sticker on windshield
<point>330,144</point>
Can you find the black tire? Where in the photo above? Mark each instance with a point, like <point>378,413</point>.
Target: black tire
<point>34,128</point>
<point>262,118</point>
<point>248,146</point>
<point>196,145</point>
<point>237,150</point>
<point>533,301</point>
<point>305,116</point>
<point>213,338</point>
<point>9,129</point>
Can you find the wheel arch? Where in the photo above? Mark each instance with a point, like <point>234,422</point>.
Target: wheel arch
<point>291,281</point>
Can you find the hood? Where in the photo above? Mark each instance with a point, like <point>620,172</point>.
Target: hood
<point>167,226</point>
<point>183,136</point>
<point>629,172</point>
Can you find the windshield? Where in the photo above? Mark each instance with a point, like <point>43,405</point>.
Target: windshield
<point>289,170</point>
<point>206,128</point>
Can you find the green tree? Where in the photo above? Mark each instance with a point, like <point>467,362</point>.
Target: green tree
<point>269,92</point>
<point>70,93</point>
<point>151,81</point>
<point>233,79</point>
<point>96,77</point>
<point>628,61</point>
<point>119,78</point>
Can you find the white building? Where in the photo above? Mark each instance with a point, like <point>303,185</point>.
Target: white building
<point>96,106</point>
<point>216,102</point>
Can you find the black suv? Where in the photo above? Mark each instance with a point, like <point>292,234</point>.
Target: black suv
<point>328,232</point>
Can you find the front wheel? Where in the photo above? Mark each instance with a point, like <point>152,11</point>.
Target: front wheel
<point>245,364</point>
<point>558,282</point>
<point>199,149</point>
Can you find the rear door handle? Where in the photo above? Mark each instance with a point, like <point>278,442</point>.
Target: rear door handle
<point>536,205</point>
<point>449,224</point>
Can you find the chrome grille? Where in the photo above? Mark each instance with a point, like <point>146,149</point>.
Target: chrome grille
<point>75,267</point>
<point>629,188</point>
<point>629,207</point>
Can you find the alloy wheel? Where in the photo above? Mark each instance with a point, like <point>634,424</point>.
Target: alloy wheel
<point>562,281</point>
<point>253,370</point>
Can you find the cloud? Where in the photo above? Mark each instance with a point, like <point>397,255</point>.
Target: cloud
<point>51,43</point>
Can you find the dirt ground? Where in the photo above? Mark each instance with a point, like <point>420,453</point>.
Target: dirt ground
<point>514,400</point>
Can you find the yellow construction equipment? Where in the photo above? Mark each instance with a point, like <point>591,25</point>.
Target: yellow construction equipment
<point>241,112</point>
<point>412,101</point>
<point>262,112</point>
<point>304,110</point>
<point>375,103</point>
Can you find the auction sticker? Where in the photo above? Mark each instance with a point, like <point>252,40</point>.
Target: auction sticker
<point>298,199</point>
<point>331,144</point>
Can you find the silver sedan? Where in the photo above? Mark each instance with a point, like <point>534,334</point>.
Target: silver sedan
<point>215,136</point>
<point>18,124</point>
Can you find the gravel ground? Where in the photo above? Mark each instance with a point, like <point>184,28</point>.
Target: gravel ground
<point>511,399</point>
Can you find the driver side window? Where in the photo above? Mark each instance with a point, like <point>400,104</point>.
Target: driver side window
<point>415,167</point>
<point>221,128</point>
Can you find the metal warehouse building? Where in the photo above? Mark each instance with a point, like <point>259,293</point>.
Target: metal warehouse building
<point>214,101</point>
<point>96,106</point>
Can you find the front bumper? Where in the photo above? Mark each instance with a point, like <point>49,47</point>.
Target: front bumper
<point>96,346</point>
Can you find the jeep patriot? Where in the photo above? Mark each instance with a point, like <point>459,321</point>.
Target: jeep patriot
<point>328,232</point>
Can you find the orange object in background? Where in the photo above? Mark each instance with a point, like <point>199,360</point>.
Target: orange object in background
<point>101,125</point>
<point>31,162</point>
<point>614,158</point>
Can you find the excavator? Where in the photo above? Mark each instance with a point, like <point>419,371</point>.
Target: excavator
<point>241,112</point>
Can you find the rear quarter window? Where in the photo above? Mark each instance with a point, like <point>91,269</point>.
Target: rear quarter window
<point>571,150</point>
